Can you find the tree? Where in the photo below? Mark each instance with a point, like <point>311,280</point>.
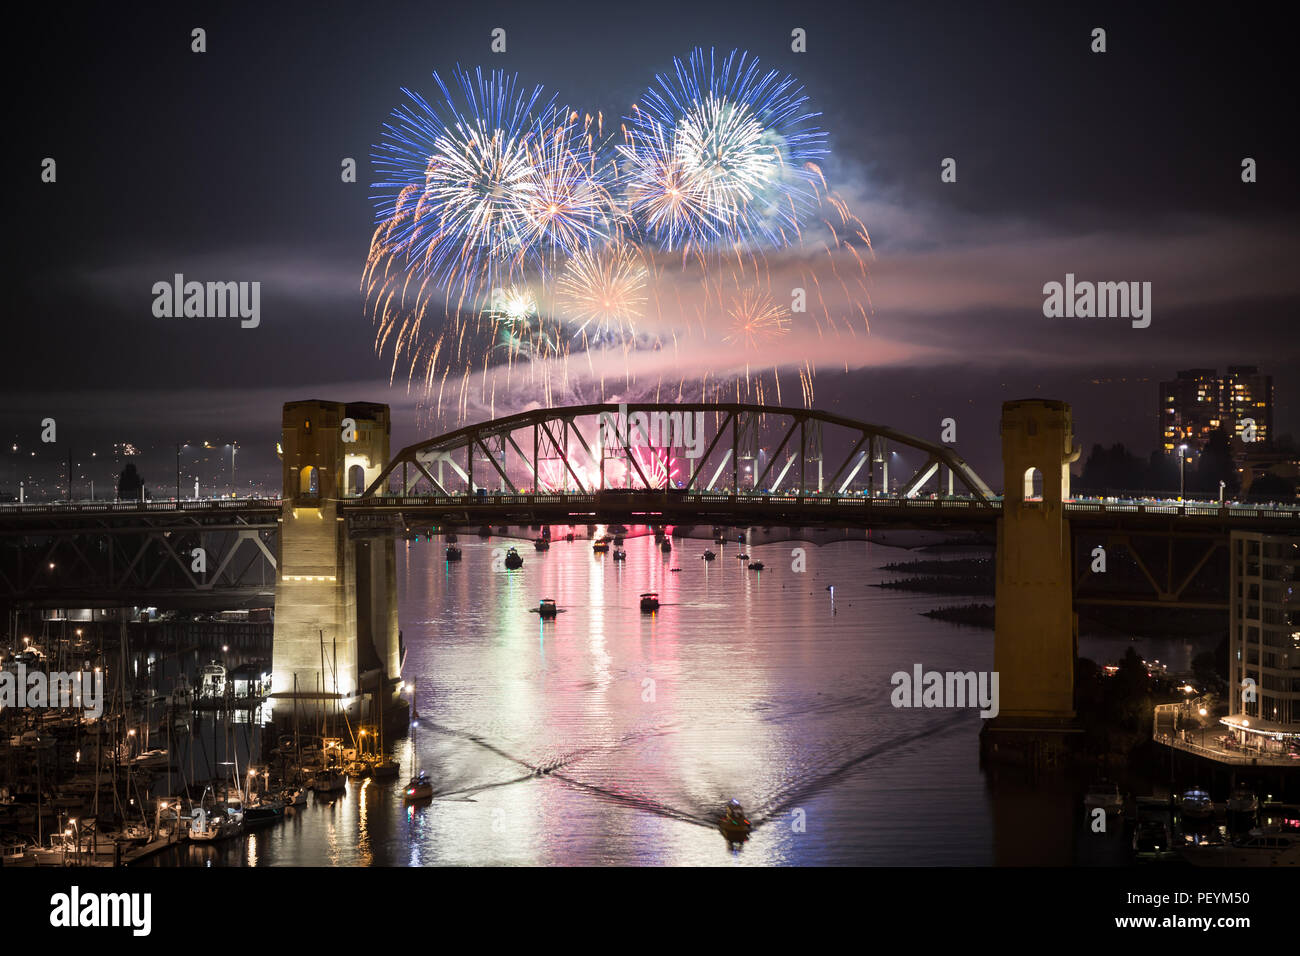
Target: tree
<point>129,483</point>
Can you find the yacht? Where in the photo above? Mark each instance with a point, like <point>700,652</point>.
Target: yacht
<point>1196,805</point>
<point>1263,846</point>
<point>212,681</point>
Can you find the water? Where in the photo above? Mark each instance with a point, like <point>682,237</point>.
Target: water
<point>611,737</point>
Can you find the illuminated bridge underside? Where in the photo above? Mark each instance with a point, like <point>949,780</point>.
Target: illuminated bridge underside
<point>701,449</point>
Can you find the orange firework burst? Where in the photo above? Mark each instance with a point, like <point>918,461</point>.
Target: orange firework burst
<point>756,317</point>
<point>604,289</point>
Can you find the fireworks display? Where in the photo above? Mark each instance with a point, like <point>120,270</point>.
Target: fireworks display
<point>514,235</point>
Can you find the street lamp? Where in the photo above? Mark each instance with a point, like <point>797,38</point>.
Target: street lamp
<point>1182,460</point>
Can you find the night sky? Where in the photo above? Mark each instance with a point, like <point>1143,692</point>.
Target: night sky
<point>225,166</point>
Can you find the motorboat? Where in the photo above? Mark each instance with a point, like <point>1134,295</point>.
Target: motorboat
<point>294,796</point>
<point>707,556</point>
<point>665,546</point>
<point>620,554</point>
<point>1104,795</point>
<point>1263,846</point>
<point>453,553</point>
<point>742,556</point>
<point>546,608</point>
<point>542,544</point>
<point>420,787</point>
<point>756,565</point>
<point>569,536</point>
<point>618,540</point>
<point>385,768</point>
<point>649,602</point>
<point>733,823</point>
<point>513,561</point>
<point>600,545</point>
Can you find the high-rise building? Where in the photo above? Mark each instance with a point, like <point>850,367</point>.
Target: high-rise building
<point>1199,402</point>
<point>1264,641</point>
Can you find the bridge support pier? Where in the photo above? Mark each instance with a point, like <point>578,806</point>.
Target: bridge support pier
<point>1035,626</point>
<point>336,638</point>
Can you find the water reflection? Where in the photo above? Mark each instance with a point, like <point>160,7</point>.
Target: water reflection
<point>611,736</point>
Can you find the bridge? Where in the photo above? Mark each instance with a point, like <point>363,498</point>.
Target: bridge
<point>325,551</point>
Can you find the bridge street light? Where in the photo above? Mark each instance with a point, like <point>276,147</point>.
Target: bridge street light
<point>1182,460</point>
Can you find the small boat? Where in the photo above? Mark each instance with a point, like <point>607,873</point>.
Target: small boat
<point>620,554</point>
<point>600,545</point>
<point>542,544</point>
<point>453,553</point>
<point>742,556</point>
<point>618,539</point>
<point>569,536</point>
<point>385,768</point>
<point>451,537</point>
<point>649,602</point>
<point>546,608</point>
<point>756,565</point>
<point>294,796</point>
<point>741,537</point>
<point>420,787</point>
<point>707,556</point>
<point>733,823</point>
<point>513,561</point>
<point>1104,795</point>
<point>665,546</point>
<point>358,769</point>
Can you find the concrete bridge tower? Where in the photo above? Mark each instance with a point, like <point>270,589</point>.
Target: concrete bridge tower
<point>1036,629</point>
<point>335,598</point>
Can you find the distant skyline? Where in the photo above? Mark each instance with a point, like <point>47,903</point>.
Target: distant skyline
<point>1122,166</point>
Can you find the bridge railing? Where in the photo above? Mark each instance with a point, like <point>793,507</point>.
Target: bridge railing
<point>827,499</point>
<point>112,507</point>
